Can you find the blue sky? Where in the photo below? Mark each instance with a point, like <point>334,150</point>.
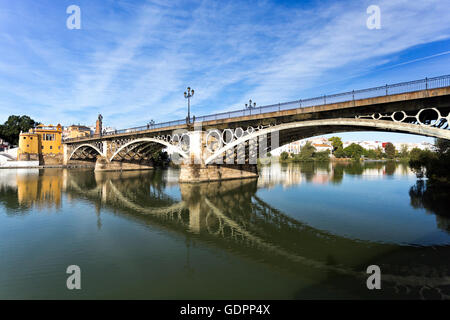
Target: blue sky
<point>132,60</point>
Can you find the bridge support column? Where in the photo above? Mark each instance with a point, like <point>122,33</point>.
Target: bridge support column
<point>65,154</point>
<point>103,164</point>
<point>191,173</point>
<point>194,169</point>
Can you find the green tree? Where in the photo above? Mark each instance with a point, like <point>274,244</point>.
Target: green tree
<point>371,154</point>
<point>306,152</point>
<point>160,158</point>
<point>404,153</point>
<point>322,155</point>
<point>379,153</point>
<point>354,151</point>
<point>442,146</point>
<point>339,153</point>
<point>12,127</point>
<point>390,150</point>
<point>284,156</point>
<point>336,142</point>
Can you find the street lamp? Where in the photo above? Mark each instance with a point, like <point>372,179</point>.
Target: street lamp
<point>188,96</point>
<point>249,105</point>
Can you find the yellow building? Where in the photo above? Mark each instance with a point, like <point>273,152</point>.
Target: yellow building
<point>77,131</point>
<point>42,191</point>
<point>39,142</point>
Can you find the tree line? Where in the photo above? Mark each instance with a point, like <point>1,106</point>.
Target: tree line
<point>307,153</point>
<point>354,151</point>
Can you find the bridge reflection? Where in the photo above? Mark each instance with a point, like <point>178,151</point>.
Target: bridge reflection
<point>230,215</point>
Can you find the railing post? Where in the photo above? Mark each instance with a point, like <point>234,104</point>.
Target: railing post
<point>300,103</point>
<point>325,99</point>
<point>279,106</point>
<point>386,89</point>
<point>353,95</point>
<point>426,83</point>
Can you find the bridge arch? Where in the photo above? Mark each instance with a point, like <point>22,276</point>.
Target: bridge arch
<point>85,145</point>
<point>344,124</point>
<point>142,141</point>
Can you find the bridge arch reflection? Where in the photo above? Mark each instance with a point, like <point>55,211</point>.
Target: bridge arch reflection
<point>231,216</point>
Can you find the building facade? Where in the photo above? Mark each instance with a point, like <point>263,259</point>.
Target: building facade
<point>43,143</point>
<point>76,131</point>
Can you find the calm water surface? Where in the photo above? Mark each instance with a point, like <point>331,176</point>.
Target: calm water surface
<point>297,232</point>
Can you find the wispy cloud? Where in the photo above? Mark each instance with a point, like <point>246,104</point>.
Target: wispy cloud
<point>131,61</point>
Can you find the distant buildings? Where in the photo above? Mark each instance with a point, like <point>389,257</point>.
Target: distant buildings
<point>322,144</point>
<point>373,145</point>
<point>4,145</point>
<point>76,131</point>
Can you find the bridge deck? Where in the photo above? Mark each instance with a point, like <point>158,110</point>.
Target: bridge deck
<point>276,111</point>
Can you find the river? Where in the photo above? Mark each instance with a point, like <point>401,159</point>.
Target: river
<point>299,231</point>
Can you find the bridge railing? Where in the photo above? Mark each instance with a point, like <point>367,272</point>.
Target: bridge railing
<point>398,88</point>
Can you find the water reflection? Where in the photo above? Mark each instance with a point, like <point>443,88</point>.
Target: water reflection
<point>434,199</point>
<point>231,216</point>
<point>288,174</point>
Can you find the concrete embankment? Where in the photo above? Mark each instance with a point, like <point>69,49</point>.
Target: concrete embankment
<point>35,165</point>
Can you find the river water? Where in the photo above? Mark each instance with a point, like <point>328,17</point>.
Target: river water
<point>299,231</point>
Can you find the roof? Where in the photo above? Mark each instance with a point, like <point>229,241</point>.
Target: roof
<point>322,145</point>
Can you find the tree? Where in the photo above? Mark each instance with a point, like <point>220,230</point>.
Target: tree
<point>414,155</point>
<point>442,146</point>
<point>339,153</point>
<point>379,153</point>
<point>371,154</point>
<point>12,127</point>
<point>160,158</point>
<point>390,150</point>
<point>336,142</point>
<point>322,155</point>
<point>354,151</point>
<point>404,153</point>
<point>284,156</point>
<point>306,152</point>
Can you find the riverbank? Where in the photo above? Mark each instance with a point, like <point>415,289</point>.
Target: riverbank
<point>60,166</point>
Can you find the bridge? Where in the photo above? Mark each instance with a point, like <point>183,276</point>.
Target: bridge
<point>227,145</point>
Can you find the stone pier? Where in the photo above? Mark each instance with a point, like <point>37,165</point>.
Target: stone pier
<point>191,173</point>
<point>103,164</point>
<point>194,169</point>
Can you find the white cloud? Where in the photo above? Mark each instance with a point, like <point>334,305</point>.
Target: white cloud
<point>133,62</point>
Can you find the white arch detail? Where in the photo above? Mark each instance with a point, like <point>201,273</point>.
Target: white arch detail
<point>164,143</point>
<point>368,123</point>
<point>85,145</point>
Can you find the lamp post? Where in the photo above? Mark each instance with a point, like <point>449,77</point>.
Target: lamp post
<point>249,105</point>
<point>188,96</point>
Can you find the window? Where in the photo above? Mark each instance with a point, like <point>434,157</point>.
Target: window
<point>42,147</point>
<point>51,147</point>
<point>24,138</point>
<point>31,138</point>
<point>49,136</point>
